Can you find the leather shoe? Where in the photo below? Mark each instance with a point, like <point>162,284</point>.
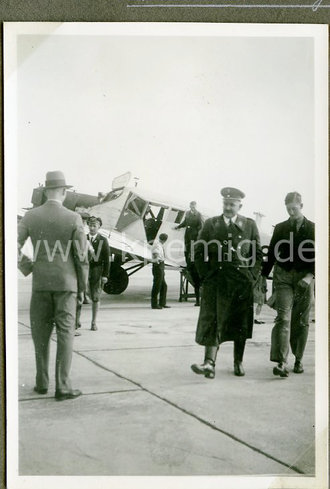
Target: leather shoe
<point>40,391</point>
<point>281,370</point>
<point>77,333</point>
<point>63,396</point>
<point>156,307</point>
<point>298,367</point>
<point>166,307</point>
<point>205,369</point>
<point>238,369</point>
<point>93,327</point>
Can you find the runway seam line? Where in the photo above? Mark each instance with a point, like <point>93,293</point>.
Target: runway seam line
<point>43,398</point>
<point>201,420</point>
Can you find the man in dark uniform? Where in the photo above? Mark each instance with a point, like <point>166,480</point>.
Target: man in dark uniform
<point>193,223</point>
<point>228,258</point>
<point>292,253</point>
<point>99,264</point>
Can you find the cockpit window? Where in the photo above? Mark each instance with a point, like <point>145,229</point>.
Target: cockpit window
<point>136,205</point>
<point>132,212</point>
<point>114,194</point>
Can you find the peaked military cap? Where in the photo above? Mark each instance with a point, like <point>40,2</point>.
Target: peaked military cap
<point>232,193</point>
<point>94,220</point>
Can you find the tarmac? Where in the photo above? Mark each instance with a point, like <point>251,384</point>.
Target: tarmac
<point>143,411</point>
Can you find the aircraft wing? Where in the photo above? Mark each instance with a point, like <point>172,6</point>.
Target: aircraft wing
<point>138,250</point>
<point>121,244</point>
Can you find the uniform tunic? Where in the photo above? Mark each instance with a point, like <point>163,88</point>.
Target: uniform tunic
<point>228,261</point>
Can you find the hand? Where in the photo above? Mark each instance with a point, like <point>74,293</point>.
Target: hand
<point>104,280</point>
<point>305,282</point>
<point>80,298</point>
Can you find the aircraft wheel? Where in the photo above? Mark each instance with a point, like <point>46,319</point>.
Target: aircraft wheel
<point>118,281</point>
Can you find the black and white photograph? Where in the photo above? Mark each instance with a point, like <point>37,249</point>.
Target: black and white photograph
<point>166,255</point>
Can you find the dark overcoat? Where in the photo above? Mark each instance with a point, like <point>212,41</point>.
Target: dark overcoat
<point>228,261</point>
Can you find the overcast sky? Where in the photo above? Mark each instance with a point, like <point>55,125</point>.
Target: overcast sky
<point>187,115</point>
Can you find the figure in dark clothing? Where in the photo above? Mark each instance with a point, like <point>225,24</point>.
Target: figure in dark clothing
<point>99,264</point>
<point>228,258</point>
<point>292,253</point>
<point>193,223</point>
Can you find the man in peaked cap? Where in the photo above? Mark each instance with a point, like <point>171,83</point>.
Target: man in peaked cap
<point>292,253</point>
<point>228,257</point>
<point>99,265</point>
<point>59,274</point>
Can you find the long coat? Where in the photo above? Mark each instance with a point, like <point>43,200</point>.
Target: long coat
<point>228,261</point>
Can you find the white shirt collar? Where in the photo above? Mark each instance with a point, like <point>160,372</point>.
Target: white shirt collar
<point>233,219</point>
<point>55,200</point>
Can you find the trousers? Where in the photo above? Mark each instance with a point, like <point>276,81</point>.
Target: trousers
<point>47,309</point>
<point>293,304</point>
<point>159,286</point>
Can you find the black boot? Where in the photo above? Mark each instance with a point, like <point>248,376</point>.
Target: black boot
<point>239,347</point>
<point>208,367</point>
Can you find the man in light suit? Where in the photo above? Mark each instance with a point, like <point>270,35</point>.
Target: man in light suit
<point>59,277</point>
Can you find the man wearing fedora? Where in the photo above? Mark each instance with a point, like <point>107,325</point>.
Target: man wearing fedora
<point>228,258</point>
<point>59,277</point>
<point>292,253</point>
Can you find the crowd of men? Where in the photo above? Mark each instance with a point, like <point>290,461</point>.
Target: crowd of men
<point>223,253</point>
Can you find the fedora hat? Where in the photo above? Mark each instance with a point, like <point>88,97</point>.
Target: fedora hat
<point>56,179</point>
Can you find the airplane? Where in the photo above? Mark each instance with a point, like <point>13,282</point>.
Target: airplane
<point>131,220</point>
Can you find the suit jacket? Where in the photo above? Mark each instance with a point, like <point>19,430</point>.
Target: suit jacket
<point>60,261</point>
<point>287,254</point>
<point>101,255</point>
<point>239,245</point>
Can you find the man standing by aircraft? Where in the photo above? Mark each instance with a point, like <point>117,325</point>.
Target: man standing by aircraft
<point>291,252</point>
<point>159,286</point>
<point>228,258</point>
<point>99,265</point>
<point>59,273</point>
<point>192,223</point>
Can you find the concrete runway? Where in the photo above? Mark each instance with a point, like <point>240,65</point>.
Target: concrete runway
<point>144,412</point>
